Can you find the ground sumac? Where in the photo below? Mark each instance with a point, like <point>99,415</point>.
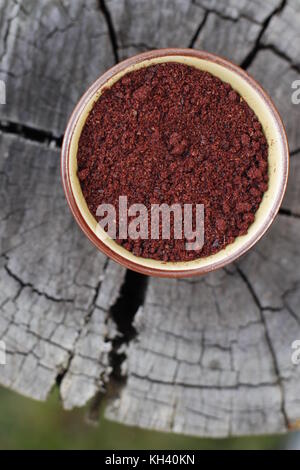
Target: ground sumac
<point>170,133</point>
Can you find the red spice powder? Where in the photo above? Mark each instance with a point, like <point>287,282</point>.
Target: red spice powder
<point>170,133</point>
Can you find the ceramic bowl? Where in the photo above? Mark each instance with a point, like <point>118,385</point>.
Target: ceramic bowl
<point>278,157</point>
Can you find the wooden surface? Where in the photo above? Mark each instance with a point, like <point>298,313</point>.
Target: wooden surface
<point>208,356</point>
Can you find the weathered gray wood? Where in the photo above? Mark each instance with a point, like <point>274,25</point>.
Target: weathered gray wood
<point>208,356</point>
<point>90,368</point>
<point>213,355</point>
<point>276,75</point>
<point>235,38</point>
<point>53,282</point>
<point>283,33</point>
<point>146,24</point>
<point>50,51</point>
<point>255,10</point>
<point>292,196</point>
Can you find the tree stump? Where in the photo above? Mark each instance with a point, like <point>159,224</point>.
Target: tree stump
<point>207,356</point>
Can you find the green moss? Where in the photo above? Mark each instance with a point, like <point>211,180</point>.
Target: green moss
<point>27,424</point>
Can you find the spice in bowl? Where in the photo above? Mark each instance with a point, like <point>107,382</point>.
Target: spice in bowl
<point>171,133</point>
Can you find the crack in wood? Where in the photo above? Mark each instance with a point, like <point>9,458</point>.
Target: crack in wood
<point>31,133</point>
<point>257,46</point>
<point>111,29</point>
<point>295,152</point>
<point>132,295</point>
<point>288,213</point>
<point>281,54</point>
<point>31,286</point>
<point>223,16</point>
<point>268,340</point>
<point>60,376</point>
<point>87,318</point>
<point>198,30</point>
<point>186,385</point>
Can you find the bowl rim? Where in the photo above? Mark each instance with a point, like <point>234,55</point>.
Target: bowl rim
<point>65,157</point>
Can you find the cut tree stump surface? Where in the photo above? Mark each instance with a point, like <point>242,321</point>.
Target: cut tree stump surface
<point>208,356</point>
